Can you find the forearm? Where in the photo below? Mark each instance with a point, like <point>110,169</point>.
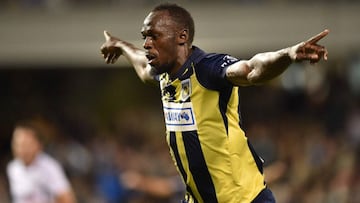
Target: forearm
<point>114,47</point>
<point>137,59</point>
<point>266,66</point>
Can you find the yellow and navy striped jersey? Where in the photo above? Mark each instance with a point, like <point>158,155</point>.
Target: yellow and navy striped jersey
<point>207,144</point>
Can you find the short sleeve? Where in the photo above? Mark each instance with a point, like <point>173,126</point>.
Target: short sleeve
<point>211,71</point>
<point>57,181</point>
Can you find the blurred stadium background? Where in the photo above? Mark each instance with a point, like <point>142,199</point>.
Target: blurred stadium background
<point>107,129</point>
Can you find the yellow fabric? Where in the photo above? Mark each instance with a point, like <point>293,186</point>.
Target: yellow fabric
<point>228,158</point>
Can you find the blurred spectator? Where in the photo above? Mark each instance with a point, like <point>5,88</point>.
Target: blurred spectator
<point>34,176</point>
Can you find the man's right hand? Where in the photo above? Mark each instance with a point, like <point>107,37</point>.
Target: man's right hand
<point>309,50</point>
<point>110,49</point>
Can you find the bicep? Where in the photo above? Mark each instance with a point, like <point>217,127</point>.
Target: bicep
<point>238,73</point>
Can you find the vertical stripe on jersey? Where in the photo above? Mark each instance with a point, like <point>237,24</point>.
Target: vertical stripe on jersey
<point>174,148</point>
<point>198,167</point>
<point>239,110</point>
<point>224,97</point>
<point>258,161</point>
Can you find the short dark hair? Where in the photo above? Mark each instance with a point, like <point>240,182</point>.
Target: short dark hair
<point>180,15</point>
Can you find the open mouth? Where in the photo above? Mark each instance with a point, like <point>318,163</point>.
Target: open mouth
<point>150,57</point>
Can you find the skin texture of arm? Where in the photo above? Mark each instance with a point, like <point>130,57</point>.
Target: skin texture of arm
<point>266,66</point>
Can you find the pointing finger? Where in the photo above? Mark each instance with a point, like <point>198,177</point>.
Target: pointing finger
<point>107,35</point>
<point>318,37</point>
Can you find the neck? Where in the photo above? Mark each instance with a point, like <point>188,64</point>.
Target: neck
<point>184,53</point>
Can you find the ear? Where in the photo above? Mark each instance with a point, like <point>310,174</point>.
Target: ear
<point>183,37</point>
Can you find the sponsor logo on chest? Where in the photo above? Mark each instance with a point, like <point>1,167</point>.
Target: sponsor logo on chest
<point>179,116</point>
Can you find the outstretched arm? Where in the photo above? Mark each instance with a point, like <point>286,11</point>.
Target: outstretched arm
<point>266,66</point>
<point>113,48</point>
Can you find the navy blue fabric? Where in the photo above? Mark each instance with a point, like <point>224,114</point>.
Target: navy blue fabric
<point>265,196</point>
<point>211,70</point>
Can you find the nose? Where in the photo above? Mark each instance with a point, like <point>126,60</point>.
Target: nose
<point>147,43</point>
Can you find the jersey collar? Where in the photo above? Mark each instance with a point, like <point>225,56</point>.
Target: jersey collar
<point>195,57</point>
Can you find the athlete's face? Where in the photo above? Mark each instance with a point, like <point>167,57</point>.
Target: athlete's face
<point>25,145</point>
<point>160,41</point>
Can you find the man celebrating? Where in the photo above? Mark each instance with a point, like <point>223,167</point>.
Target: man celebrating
<point>201,103</point>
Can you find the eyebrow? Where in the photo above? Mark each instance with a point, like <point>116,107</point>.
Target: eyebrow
<point>147,32</point>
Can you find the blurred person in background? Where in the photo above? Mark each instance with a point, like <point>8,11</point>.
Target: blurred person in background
<point>201,103</point>
<point>34,176</point>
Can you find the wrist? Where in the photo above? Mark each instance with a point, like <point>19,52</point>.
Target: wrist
<point>293,50</point>
<point>119,44</point>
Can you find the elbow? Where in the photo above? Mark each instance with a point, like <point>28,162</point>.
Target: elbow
<point>255,78</point>
<point>147,77</point>
<point>145,73</point>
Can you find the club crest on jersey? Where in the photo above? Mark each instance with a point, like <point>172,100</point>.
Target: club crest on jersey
<point>185,90</point>
<point>179,116</point>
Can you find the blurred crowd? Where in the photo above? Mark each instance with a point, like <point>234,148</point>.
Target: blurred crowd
<point>110,140</point>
